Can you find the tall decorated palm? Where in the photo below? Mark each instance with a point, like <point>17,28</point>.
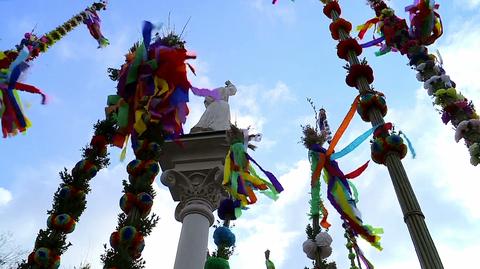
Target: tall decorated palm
<point>412,41</point>
<point>14,62</point>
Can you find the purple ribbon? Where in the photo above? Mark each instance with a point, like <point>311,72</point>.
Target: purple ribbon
<point>215,93</point>
<point>373,42</point>
<point>271,177</point>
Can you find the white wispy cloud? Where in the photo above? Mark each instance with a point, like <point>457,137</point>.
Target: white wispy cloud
<point>5,196</point>
<point>278,94</point>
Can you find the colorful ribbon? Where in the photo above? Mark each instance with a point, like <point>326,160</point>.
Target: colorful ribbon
<point>241,179</point>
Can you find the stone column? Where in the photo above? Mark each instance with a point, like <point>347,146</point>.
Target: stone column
<point>193,171</point>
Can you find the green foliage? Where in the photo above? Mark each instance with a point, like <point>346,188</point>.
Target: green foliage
<point>120,259</point>
<point>173,40</point>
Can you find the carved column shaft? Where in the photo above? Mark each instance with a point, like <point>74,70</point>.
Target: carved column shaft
<point>194,172</point>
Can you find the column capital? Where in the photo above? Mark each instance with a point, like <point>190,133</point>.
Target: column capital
<point>197,191</point>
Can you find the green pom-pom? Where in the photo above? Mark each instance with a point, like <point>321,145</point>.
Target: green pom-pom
<point>216,263</point>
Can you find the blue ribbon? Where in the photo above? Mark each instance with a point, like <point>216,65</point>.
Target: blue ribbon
<point>353,145</point>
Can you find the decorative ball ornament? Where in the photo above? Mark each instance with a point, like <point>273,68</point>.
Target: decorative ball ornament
<point>332,6</point>
<point>369,101</point>
<point>66,192</point>
<point>55,262</point>
<point>127,234</point>
<point>139,167</point>
<point>357,71</point>
<point>310,248</point>
<point>62,222</point>
<point>115,240</point>
<point>99,142</point>
<point>216,263</point>
<point>130,239</point>
<point>152,168</point>
<point>133,167</point>
<point>226,210</point>
<point>382,146</point>
<point>85,169</point>
<point>156,149</point>
<point>44,258</point>
<point>325,252</point>
<point>144,203</point>
<point>337,25</point>
<point>127,202</point>
<point>136,247</point>
<point>323,239</point>
<point>224,237</point>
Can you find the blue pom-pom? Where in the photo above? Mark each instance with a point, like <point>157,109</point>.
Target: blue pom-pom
<point>223,237</point>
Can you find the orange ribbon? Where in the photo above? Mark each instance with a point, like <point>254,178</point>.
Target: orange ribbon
<point>338,134</point>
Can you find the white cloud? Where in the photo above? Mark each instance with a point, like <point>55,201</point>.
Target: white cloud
<point>470,3</point>
<point>279,93</point>
<point>5,196</point>
<point>264,226</point>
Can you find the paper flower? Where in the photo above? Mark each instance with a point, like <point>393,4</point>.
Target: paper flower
<point>337,25</point>
<point>437,82</point>
<point>332,6</point>
<point>310,248</point>
<point>357,71</point>
<point>347,45</point>
<point>466,127</point>
<point>325,252</point>
<point>323,239</point>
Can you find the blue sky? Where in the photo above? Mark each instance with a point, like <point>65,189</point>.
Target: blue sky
<point>277,56</point>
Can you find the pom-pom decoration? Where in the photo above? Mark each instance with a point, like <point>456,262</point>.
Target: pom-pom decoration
<point>127,234</point>
<point>382,146</point>
<point>149,168</point>
<point>85,169</point>
<point>325,252</point>
<point>371,100</point>
<point>468,128</point>
<point>144,203</point>
<point>62,222</point>
<point>129,239</point>
<point>227,208</point>
<point>323,239</point>
<point>45,258</point>
<point>223,237</point>
<point>115,240</point>
<point>127,202</point>
<point>216,263</point>
<point>310,248</point>
<point>356,71</point>
<point>345,46</point>
<point>332,6</point>
<point>99,142</point>
<point>68,192</point>
<point>337,25</point>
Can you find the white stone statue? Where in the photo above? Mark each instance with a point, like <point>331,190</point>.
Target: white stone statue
<point>217,113</point>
